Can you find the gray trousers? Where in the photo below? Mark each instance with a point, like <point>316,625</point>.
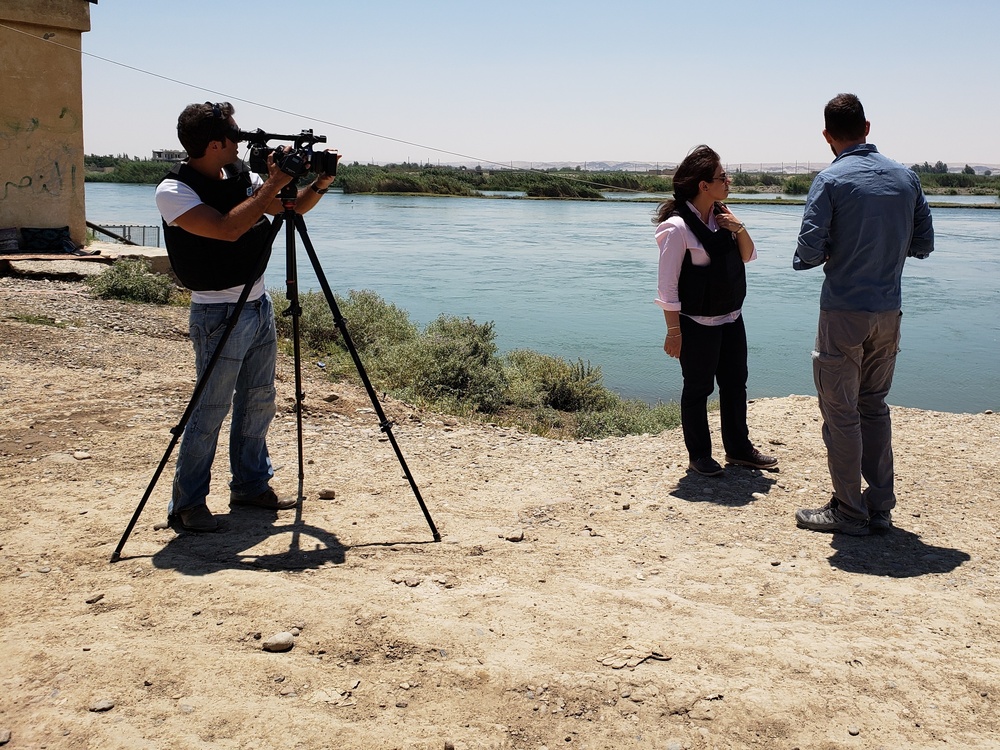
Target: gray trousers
<point>853,365</point>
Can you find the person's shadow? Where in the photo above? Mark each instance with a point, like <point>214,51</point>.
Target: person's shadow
<point>898,554</point>
<point>736,488</point>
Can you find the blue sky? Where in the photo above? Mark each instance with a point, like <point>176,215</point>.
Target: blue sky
<point>543,81</point>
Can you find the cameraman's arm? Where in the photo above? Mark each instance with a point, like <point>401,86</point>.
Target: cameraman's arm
<point>205,221</point>
<point>309,197</point>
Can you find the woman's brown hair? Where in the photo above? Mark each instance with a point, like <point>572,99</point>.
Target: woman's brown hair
<point>697,166</point>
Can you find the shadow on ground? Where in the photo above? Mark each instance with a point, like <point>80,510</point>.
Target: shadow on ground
<point>898,554</point>
<point>737,487</point>
<point>241,533</point>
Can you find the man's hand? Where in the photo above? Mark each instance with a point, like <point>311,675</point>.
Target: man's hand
<point>274,174</point>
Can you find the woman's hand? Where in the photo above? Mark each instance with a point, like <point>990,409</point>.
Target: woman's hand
<point>727,220</point>
<point>672,345</point>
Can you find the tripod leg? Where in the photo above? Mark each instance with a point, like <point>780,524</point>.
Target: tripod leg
<point>117,554</point>
<point>295,312</point>
<point>199,387</point>
<point>384,424</point>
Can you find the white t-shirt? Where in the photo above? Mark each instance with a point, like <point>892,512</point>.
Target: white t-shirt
<point>175,198</point>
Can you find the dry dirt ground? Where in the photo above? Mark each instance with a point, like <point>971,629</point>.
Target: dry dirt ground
<point>584,594</point>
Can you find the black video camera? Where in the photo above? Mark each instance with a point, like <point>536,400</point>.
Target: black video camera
<point>293,160</point>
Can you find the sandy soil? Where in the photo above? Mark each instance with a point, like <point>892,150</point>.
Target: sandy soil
<point>586,594</point>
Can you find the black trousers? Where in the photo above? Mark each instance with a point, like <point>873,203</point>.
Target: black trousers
<point>711,354</point>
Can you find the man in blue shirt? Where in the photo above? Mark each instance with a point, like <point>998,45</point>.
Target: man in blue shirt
<point>865,214</point>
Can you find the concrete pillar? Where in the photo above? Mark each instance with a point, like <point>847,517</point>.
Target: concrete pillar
<point>41,122</point>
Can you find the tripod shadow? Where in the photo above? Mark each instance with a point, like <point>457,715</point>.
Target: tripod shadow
<point>898,554</point>
<point>736,488</point>
<point>241,532</point>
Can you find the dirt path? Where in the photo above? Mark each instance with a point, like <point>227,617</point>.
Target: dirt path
<point>586,594</point>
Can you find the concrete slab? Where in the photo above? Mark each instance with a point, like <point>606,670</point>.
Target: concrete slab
<point>86,265</point>
<point>157,256</point>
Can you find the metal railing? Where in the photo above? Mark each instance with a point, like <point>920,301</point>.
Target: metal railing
<point>129,234</point>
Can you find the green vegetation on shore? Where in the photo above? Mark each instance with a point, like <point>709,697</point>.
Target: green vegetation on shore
<point>553,183</point>
<point>451,366</point>
<point>131,280</point>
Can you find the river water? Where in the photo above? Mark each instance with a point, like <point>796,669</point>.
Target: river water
<point>577,280</point>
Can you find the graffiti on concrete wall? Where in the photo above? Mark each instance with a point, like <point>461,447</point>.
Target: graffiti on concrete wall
<point>49,177</point>
<point>52,171</point>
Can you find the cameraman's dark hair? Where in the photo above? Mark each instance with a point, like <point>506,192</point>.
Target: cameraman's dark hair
<point>845,118</point>
<point>200,124</point>
<point>698,165</point>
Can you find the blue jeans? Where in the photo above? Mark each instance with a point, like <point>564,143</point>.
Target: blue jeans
<point>243,378</point>
<point>853,365</point>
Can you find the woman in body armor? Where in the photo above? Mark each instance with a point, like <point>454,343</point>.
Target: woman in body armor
<point>701,287</point>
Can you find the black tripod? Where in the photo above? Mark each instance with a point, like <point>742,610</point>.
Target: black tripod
<point>292,221</point>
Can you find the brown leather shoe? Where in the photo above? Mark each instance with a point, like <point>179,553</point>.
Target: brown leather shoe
<point>266,499</point>
<point>755,459</point>
<point>707,467</point>
<point>197,518</point>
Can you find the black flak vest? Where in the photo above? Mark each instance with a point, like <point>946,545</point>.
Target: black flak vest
<point>718,288</point>
<point>202,263</point>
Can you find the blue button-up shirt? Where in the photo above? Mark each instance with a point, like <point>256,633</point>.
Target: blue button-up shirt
<point>864,215</point>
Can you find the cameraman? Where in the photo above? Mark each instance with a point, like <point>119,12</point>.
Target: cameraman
<point>213,208</point>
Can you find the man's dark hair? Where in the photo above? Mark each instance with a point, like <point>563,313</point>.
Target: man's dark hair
<point>845,118</point>
<point>200,124</point>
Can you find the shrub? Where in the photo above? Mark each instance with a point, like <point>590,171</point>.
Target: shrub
<point>954,180</point>
<point>316,328</point>
<point>628,417</point>
<point>132,280</point>
<point>557,187</point>
<point>797,185</point>
<point>131,171</point>
<point>542,380</point>
<point>744,179</point>
<point>455,360</point>
<point>373,324</point>
<point>453,365</point>
<point>358,179</point>
<point>400,183</point>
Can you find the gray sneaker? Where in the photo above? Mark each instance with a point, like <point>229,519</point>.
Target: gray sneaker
<point>880,522</point>
<point>830,518</point>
